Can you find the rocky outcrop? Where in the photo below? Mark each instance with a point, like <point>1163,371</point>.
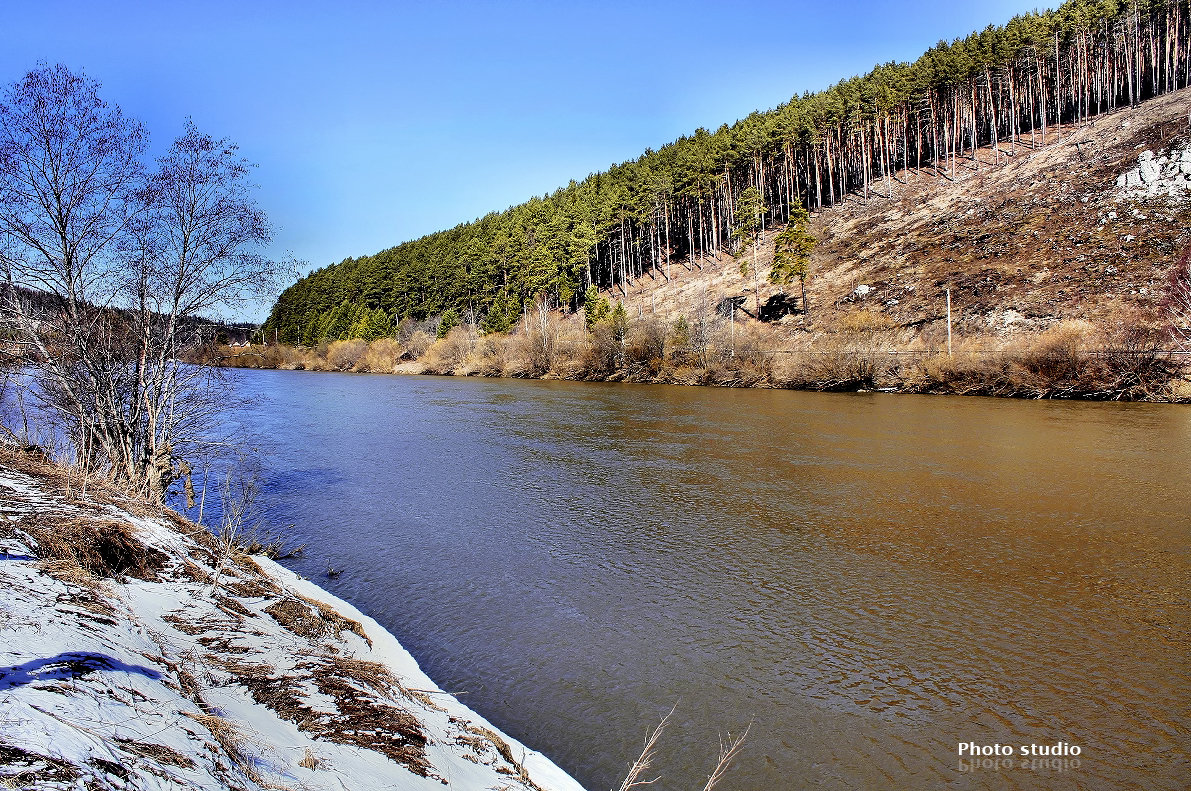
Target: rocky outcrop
<point>1158,175</point>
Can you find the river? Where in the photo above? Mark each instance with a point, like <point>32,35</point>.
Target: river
<point>863,581</point>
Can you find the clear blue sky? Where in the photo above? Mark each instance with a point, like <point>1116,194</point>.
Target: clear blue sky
<point>374,123</point>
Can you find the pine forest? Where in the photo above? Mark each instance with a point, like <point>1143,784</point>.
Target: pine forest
<point>1000,88</point>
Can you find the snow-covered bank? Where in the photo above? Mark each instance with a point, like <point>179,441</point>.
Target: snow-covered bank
<point>132,656</point>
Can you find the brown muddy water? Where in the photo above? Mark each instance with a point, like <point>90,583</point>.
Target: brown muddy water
<point>864,581</point>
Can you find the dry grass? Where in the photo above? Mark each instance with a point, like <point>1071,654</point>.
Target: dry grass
<point>231,741</point>
<point>86,547</point>
<point>299,619</point>
<point>155,752</point>
<point>362,719</point>
<point>252,588</point>
<point>23,769</point>
<point>313,619</point>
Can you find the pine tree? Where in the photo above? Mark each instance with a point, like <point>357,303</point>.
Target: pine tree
<point>792,253</point>
<point>595,307</point>
<point>447,322</point>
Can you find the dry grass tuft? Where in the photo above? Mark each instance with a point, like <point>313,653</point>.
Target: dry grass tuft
<point>230,740</point>
<point>252,588</point>
<point>23,769</point>
<point>79,546</point>
<point>313,619</point>
<point>362,719</point>
<point>298,618</point>
<point>156,752</point>
<point>338,622</point>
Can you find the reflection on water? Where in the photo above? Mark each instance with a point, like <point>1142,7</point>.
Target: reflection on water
<point>868,580</point>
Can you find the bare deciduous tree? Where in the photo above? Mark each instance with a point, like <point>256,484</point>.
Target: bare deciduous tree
<point>544,333</point>
<point>107,265</point>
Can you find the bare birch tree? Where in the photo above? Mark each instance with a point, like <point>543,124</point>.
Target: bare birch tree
<point>107,265</point>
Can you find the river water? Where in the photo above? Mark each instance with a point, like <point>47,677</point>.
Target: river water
<point>862,581</point>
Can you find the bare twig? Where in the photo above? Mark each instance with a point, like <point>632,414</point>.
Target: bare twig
<point>728,752</point>
<point>645,760</point>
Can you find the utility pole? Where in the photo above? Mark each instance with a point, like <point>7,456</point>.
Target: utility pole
<point>733,330</point>
<point>948,321</point>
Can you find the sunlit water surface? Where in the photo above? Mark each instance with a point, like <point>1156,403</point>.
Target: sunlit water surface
<point>863,581</point>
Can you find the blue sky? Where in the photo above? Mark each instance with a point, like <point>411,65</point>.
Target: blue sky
<point>373,123</point>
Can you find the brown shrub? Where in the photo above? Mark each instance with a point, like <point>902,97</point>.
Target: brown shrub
<point>645,345</point>
<point>504,355</point>
<point>1054,356</point>
<point>344,355</point>
<point>1134,358</point>
<point>854,356</point>
<point>449,355</point>
<point>604,351</point>
<point>381,357</point>
<point>483,361</point>
<point>418,343</point>
<point>975,368</point>
<point>570,351</point>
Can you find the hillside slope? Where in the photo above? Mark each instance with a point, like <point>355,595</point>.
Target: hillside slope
<point>705,193</point>
<point>1043,235</point>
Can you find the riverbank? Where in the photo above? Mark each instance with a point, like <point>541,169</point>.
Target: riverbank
<point>862,351</point>
<point>141,652</point>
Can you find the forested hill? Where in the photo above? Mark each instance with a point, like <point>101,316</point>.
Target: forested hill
<point>1000,88</point>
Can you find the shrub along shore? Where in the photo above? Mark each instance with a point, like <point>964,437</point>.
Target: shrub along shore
<point>861,351</point>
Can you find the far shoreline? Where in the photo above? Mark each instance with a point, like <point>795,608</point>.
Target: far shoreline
<point>1017,373</point>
